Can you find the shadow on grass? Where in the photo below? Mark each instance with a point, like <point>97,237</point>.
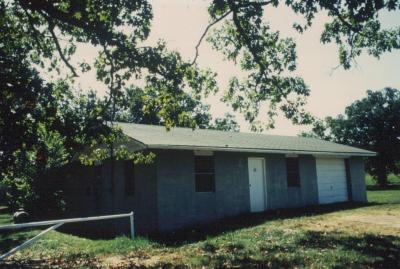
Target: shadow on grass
<point>200,232</point>
<point>379,188</point>
<point>311,249</point>
<point>10,240</point>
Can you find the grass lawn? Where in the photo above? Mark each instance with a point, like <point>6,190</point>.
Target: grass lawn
<point>338,236</point>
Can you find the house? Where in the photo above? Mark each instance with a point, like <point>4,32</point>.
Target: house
<point>203,175</point>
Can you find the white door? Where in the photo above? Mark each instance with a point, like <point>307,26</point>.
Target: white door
<point>331,178</point>
<point>257,184</point>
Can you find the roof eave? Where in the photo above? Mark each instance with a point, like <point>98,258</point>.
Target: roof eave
<point>253,150</point>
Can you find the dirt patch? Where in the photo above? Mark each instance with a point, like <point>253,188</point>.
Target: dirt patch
<point>380,221</point>
<point>141,260</point>
<point>387,220</point>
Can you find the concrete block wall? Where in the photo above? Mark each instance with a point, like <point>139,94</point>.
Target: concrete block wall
<point>277,191</point>
<point>180,205</point>
<point>357,175</point>
<point>232,184</point>
<point>165,196</point>
<point>308,180</point>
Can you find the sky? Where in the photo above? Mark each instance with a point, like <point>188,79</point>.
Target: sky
<point>181,22</point>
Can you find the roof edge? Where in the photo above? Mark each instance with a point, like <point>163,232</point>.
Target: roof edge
<point>232,149</point>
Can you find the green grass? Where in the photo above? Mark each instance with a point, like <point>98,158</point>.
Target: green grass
<point>57,244</point>
<point>289,248</point>
<point>321,237</point>
<point>392,180</point>
<point>391,196</point>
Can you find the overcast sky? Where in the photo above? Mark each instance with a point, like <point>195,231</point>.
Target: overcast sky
<point>181,22</point>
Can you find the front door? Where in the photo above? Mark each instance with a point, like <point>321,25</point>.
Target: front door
<point>257,184</point>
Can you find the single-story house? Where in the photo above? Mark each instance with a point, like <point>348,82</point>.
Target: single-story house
<point>200,176</point>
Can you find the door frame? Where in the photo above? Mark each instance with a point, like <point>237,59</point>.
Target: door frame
<point>264,171</point>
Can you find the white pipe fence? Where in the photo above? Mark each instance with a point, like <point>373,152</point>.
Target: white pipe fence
<point>56,224</point>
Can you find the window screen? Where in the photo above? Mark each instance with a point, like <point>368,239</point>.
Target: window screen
<point>129,178</point>
<point>292,170</point>
<point>204,173</point>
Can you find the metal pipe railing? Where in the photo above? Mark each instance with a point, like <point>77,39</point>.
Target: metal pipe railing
<point>56,224</point>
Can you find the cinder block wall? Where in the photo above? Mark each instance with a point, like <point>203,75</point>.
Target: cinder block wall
<point>231,184</point>
<point>279,195</point>
<point>88,192</point>
<point>180,205</point>
<point>357,175</point>
<point>308,180</point>
<point>165,196</point>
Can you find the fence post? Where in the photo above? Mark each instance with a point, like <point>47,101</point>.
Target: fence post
<point>132,225</point>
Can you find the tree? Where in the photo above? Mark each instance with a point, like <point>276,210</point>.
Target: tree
<point>42,125</point>
<point>268,59</point>
<point>372,123</point>
<point>226,123</point>
<point>139,106</point>
<point>120,27</point>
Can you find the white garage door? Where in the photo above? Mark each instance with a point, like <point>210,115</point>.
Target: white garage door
<point>331,178</point>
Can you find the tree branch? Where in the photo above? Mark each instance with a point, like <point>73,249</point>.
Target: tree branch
<point>205,33</point>
<point>350,26</point>
<point>245,37</point>
<point>62,56</point>
<point>47,9</point>
<point>264,3</point>
<point>35,32</point>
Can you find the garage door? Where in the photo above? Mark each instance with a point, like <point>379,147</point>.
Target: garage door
<point>331,178</point>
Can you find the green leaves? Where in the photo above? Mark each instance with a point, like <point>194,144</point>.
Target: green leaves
<point>247,40</point>
<point>355,26</point>
<point>266,57</point>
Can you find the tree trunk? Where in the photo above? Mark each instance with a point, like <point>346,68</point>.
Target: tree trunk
<point>382,179</point>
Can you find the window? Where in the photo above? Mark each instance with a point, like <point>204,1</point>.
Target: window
<point>204,173</point>
<point>292,169</point>
<point>129,177</point>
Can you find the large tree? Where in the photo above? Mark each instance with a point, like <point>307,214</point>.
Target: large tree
<point>372,123</point>
<point>42,126</point>
<point>118,28</point>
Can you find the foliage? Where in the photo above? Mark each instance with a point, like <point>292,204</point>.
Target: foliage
<point>138,107</point>
<point>226,123</point>
<point>372,123</point>
<point>371,182</point>
<point>119,28</point>
<point>246,38</point>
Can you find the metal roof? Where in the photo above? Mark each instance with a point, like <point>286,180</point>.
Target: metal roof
<point>157,137</point>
